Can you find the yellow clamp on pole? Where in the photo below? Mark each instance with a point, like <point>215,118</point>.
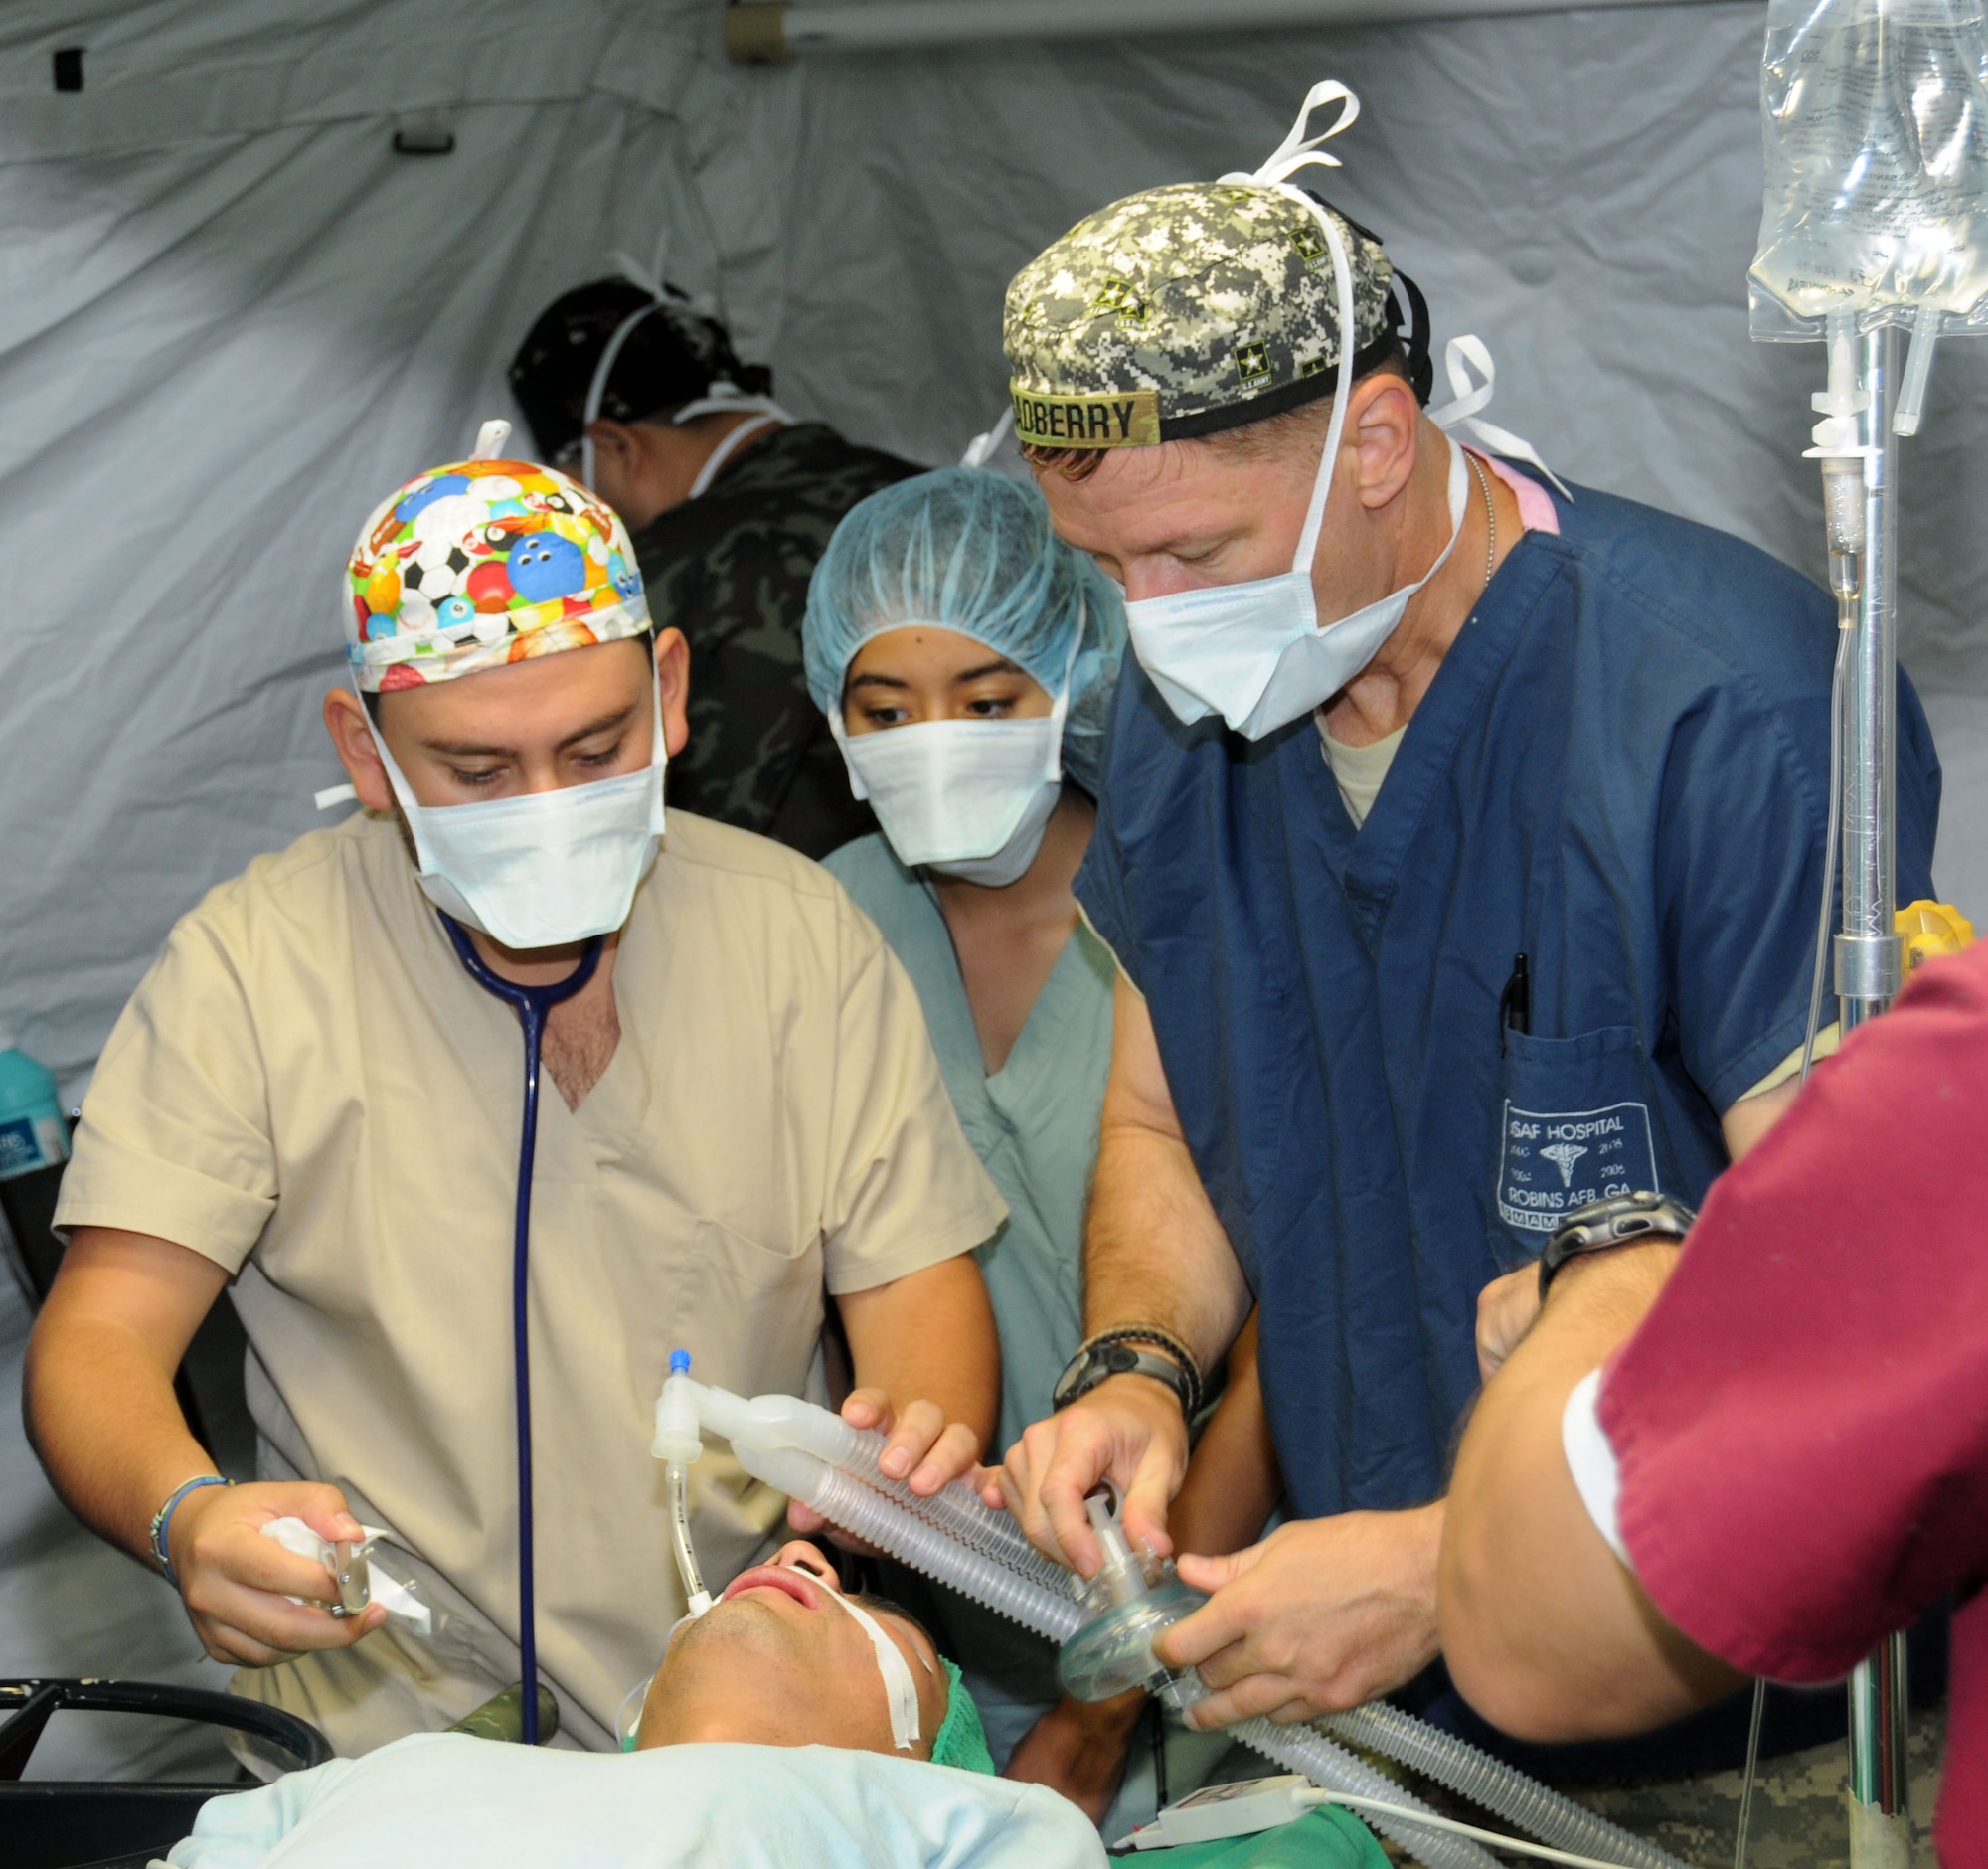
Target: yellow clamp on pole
<point>1931,929</point>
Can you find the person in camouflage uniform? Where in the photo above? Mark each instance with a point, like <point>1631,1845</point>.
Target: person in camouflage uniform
<point>731,504</point>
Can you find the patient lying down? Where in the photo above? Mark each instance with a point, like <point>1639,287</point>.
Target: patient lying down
<point>787,1725</point>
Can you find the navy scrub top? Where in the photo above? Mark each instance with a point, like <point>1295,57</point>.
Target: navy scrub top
<point>1621,771</point>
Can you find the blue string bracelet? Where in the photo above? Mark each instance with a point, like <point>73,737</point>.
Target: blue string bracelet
<point>162,1521</point>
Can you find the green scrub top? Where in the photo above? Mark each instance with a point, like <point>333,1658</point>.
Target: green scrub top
<point>1034,1123</point>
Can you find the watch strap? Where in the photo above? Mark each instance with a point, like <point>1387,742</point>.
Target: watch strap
<point>1622,1220</point>
<point>1132,1350</point>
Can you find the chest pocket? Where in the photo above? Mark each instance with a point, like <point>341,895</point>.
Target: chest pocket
<point>765,1312</point>
<point>1574,1125</point>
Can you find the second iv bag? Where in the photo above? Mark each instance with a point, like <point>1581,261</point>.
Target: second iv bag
<point>1876,122</point>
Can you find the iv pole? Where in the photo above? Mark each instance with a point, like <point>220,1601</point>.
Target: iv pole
<point>1868,971</point>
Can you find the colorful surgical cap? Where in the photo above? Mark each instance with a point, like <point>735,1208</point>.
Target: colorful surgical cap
<point>963,1740</point>
<point>483,562</point>
<point>972,550</point>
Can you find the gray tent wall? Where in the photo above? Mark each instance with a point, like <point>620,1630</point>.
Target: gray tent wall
<point>232,318</point>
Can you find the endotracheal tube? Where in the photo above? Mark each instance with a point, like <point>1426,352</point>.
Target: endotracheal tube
<point>679,1444</point>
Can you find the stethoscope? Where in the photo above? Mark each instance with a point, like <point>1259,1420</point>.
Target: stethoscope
<point>533,1005</point>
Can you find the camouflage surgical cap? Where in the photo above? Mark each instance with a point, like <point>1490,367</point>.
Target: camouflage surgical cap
<point>1185,310</point>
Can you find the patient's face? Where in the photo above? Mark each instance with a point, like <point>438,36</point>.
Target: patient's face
<point>777,1661</point>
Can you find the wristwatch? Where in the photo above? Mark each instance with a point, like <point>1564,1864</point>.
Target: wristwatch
<point>1613,1221</point>
<point>1132,1350</point>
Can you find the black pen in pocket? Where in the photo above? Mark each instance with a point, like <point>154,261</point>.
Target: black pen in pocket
<point>1515,1003</point>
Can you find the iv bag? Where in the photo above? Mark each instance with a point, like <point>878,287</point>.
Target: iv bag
<point>1875,116</point>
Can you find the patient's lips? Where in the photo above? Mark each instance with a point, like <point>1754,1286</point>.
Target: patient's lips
<point>778,1577</point>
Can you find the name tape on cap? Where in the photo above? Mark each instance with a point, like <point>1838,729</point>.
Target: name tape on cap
<point>1126,418</point>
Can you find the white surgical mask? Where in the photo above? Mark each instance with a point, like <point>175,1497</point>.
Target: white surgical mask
<point>722,396</point>
<point>544,869</point>
<point>968,799</point>
<point>1254,652</point>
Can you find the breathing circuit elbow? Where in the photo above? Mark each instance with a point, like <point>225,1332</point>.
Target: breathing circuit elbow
<point>678,1415</point>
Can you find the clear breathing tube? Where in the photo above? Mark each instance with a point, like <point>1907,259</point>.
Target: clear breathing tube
<point>778,1421</point>
<point>1462,1767</point>
<point>786,1443</point>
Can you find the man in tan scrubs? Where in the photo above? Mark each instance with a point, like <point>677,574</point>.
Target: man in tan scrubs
<point>310,1096</point>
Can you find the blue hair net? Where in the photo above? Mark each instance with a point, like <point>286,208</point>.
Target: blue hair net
<point>972,550</point>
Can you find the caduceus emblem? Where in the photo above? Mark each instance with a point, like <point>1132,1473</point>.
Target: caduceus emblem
<point>1564,1156</point>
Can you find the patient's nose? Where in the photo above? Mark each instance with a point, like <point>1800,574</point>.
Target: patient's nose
<point>801,1555</point>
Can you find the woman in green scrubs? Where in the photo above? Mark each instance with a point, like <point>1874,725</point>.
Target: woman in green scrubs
<point>965,658</point>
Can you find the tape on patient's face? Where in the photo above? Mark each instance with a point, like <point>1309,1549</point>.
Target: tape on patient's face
<point>900,1690</point>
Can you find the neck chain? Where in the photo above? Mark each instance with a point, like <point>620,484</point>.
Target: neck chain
<point>1490,519</point>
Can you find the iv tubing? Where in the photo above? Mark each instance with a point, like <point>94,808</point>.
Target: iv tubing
<point>1832,841</point>
<point>1497,1787</point>
<point>1453,1828</point>
<point>847,1501</point>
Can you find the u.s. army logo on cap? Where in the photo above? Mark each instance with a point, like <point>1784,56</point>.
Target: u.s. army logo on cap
<point>1121,297</point>
<point>1310,243</point>
<point>1128,419</point>
<point>1253,363</point>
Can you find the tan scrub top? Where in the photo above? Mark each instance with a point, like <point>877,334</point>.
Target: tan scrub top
<point>309,1090</point>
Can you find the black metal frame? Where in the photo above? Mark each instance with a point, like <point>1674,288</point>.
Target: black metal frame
<point>51,1825</point>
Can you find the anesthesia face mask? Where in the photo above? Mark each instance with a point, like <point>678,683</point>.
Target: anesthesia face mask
<point>1133,1601</point>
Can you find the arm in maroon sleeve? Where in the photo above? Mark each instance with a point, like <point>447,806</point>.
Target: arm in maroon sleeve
<point>1802,1423</point>
<point>1800,1420</point>
<point>1546,1632</point>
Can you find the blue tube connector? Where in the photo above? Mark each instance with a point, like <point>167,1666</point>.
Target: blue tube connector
<point>679,1362</point>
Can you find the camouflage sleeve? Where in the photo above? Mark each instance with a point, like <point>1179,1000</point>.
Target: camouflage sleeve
<point>733,578</point>
<point>739,603</point>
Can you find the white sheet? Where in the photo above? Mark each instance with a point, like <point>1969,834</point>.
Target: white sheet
<point>439,1800</point>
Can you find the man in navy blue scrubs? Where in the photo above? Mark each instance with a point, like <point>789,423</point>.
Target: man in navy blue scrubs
<point>1461,847</point>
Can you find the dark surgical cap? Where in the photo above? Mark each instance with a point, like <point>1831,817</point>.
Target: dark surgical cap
<point>672,357</point>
